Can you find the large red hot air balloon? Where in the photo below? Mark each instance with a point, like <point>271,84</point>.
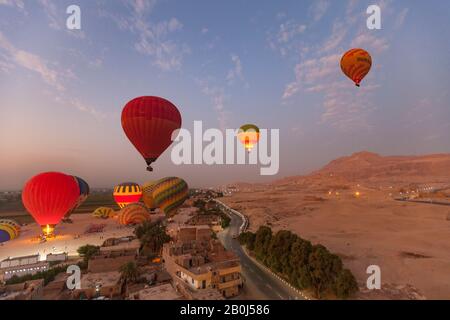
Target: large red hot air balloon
<point>48,197</point>
<point>149,123</point>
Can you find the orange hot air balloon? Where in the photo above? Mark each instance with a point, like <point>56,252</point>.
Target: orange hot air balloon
<point>356,64</point>
<point>149,123</point>
<point>249,136</point>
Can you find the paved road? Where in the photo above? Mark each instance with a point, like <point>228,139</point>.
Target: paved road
<point>259,283</point>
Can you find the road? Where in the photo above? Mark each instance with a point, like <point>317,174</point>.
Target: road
<point>259,283</point>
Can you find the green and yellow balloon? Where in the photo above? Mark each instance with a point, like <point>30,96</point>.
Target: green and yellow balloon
<point>170,193</point>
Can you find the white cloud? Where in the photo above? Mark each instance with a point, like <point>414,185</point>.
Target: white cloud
<point>13,3</point>
<point>153,38</point>
<point>236,71</point>
<point>31,62</point>
<point>217,97</point>
<point>205,30</point>
<point>401,17</point>
<point>370,42</point>
<point>318,9</point>
<point>284,40</point>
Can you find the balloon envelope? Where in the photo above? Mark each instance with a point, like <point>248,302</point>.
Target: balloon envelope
<point>170,193</point>
<point>126,193</point>
<point>356,64</point>
<point>147,195</point>
<point>149,123</point>
<point>103,212</point>
<point>249,136</point>
<point>49,196</point>
<point>134,213</point>
<point>9,230</point>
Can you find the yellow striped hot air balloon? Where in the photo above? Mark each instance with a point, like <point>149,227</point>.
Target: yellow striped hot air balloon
<point>147,195</point>
<point>356,64</point>
<point>248,135</point>
<point>134,213</point>
<point>170,193</point>
<point>9,230</point>
<point>104,213</point>
<point>126,193</point>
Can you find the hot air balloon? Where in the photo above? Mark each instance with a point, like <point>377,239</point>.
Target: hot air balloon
<point>356,64</point>
<point>126,193</point>
<point>149,123</point>
<point>84,193</point>
<point>248,135</point>
<point>134,213</point>
<point>147,195</point>
<point>9,230</point>
<point>48,197</point>
<point>103,212</point>
<point>170,193</point>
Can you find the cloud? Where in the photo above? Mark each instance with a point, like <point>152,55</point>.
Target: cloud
<point>318,72</point>
<point>13,3</point>
<point>370,42</point>
<point>236,71</point>
<point>217,97</point>
<point>284,39</point>
<point>205,30</point>
<point>153,38</point>
<point>401,17</point>
<point>318,9</point>
<point>31,62</point>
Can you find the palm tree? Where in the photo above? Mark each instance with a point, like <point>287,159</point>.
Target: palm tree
<point>152,236</point>
<point>129,272</point>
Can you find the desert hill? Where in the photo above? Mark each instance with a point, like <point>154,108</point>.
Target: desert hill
<point>351,206</point>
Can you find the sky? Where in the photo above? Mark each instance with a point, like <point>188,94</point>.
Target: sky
<point>226,63</point>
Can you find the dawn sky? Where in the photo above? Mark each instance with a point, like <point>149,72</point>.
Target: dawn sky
<point>271,63</point>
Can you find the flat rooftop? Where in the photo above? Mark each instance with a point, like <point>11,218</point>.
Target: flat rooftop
<point>105,279</point>
<point>161,292</point>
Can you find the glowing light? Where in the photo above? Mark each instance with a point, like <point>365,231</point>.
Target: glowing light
<point>357,193</point>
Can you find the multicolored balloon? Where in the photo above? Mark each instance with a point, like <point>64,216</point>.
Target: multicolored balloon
<point>134,213</point>
<point>84,193</point>
<point>147,195</point>
<point>248,135</point>
<point>149,123</point>
<point>126,193</point>
<point>356,64</point>
<point>9,230</point>
<point>48,197</point>
<point>170,193</point>
<point>104,213</point>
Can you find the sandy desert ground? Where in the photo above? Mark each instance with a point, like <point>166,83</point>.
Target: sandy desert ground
<point>409,241</point>
<point>66,239</point>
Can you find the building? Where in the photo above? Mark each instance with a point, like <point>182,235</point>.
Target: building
<point>28,290</point>
<point>202,263</point>
<point>21,266</point>
<point>163,291</point>
<point>58,257</point>
<point>111,260</point>
<point>106,284</point>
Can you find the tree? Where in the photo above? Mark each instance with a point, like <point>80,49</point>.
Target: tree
<point>87,251</point>
<point>324,268</point>
<point>298,267</point>
<point>262,242</point>
<point>346,284</point>
<point>129,273</point>
<point>279,251</point>
<point>152,237</point>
